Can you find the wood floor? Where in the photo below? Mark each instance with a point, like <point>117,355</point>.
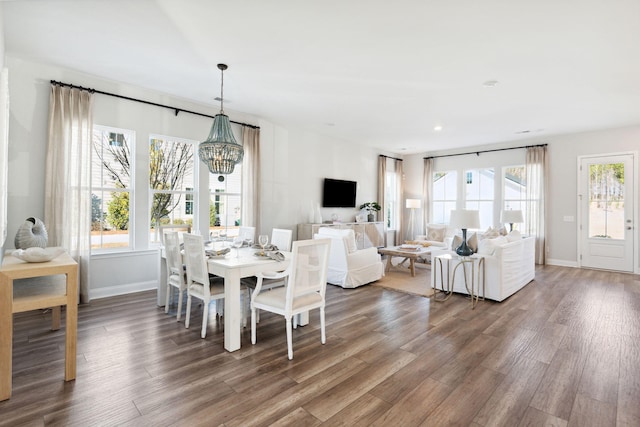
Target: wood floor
<point>565,350</point>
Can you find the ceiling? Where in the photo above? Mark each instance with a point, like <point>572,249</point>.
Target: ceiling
<point>372,72</point>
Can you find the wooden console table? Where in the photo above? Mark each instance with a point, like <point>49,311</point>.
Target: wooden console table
<point>368,234</point>
<point>37,293</point>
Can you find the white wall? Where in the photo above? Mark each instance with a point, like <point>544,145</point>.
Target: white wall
<point>293,163</point>
<point>563,152</point>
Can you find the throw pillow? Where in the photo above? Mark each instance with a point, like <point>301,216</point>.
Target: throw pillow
<point>456,242</point>
<point>436,232</point>
<point>486,247</point>
<point>490,233</point>
<point>472,242</point>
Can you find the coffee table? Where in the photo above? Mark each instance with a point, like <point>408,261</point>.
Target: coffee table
<point>410,255</point>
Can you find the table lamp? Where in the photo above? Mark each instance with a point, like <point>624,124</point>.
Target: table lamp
<point>465,219</point>
<point>510,217</point>
<point>412,204</point>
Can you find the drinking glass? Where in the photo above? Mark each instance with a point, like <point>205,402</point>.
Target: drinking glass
<point>263,240</point>
<point>237,243</point>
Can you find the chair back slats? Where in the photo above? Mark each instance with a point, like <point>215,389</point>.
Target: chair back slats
<point>281,238</point>
<point>195,259</point>
<point>172,251</point>
<point>247,233</point>
<point>309,269</point>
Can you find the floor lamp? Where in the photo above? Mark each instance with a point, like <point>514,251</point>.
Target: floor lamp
<point>412,204</point>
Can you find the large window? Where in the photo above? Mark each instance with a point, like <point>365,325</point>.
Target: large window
<point>479,194</point>
<point>391,200</point>
<point>225,203</point>
<point>172,183</point>
<point>514,189</point>
<point>111,195</point>
<point>445,194</point>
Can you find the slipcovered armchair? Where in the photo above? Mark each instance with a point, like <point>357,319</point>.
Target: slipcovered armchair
<point>350,267</point>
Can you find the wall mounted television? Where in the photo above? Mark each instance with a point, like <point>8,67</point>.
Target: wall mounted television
<point>337,193</point>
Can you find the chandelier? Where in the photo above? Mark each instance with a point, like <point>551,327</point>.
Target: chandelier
<point>220,151</point>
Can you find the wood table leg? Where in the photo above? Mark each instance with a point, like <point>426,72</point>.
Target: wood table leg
<point>55,317</point>
<point>412,267</point>
<point>6,336</point>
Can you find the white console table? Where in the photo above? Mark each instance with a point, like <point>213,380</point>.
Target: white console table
<point>368,234</point>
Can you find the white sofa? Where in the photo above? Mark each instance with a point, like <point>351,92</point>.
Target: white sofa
<point>350,267</point>
<point>509,266</point>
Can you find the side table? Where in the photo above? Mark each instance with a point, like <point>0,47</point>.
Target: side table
<point>37,293</point>
<point>472,270</point>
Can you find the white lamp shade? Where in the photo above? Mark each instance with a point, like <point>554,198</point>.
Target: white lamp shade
<point>511,217</point>
<point>413,203</point>
<point>465,219</point>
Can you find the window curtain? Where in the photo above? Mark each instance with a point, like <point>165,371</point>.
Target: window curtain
<point>251,177</point>
<point>67,202</point>
<point>427,188</point>
<point>382,179</point>
<point>536,215</point>
<point>400,198</point>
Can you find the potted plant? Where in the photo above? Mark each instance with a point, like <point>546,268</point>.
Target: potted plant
<point>370,207</point>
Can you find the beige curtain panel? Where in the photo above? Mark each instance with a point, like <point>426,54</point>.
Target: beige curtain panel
<point>251,178</point>
<point>67,207</point>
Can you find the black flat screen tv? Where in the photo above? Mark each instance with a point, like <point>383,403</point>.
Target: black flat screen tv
<point>337,193</point>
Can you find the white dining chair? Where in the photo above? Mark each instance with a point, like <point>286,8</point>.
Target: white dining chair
<point>281,238</point>
<point>304,290</point>
<point>247,233</point>
<point>200,284</point>
<point>176,277</point>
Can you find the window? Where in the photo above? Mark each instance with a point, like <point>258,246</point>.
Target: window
<point>445,194</point>
<point>391,200</point>
<point>188,203</point>
<point>111,196</point>
<point>479,194</point>
<point>171,180</point>
<point>514,189</point>
<point>225,202</point>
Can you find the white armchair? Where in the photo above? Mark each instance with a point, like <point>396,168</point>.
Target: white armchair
<point>348,266</point>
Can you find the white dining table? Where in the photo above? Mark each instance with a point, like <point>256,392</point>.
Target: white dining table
<point>232,269</point>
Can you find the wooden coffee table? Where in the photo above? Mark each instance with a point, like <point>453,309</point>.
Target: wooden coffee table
<point>406,255</point>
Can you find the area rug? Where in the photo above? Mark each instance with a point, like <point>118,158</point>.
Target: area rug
<point>402,281</point>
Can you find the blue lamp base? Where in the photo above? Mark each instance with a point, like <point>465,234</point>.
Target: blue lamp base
<point>464,249</point>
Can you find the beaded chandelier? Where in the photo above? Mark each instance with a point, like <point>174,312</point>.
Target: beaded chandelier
<point>220,151</point>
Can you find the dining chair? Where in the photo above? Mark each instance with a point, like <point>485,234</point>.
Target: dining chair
<point>304,290</point>
<point>176,277</point>
<point>200,284</point>
<point>247,233</point>
<point>281,238</point>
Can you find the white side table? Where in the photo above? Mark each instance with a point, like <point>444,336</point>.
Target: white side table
<point>472,270</point>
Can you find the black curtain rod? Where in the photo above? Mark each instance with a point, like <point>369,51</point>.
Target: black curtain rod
<point>389,157</point>
<point>477,153</point>
<point>175,109</point>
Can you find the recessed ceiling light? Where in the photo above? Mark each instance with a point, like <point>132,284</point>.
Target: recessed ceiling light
<point>330,124</point>
<point>523,131</point>
<point>437,128</point>
<point>490,83</point>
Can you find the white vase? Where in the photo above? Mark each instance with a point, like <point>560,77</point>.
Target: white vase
<point>318,219</point>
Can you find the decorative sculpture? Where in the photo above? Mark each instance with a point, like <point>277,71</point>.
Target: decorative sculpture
<point>31,234</point>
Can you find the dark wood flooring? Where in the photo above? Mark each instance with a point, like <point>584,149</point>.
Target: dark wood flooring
<point>565,350</point>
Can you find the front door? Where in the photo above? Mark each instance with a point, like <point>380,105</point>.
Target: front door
<point>606,206</point>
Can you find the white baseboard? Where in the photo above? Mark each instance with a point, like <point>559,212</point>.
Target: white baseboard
<point>562,263</point>
<point>128,288</point>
